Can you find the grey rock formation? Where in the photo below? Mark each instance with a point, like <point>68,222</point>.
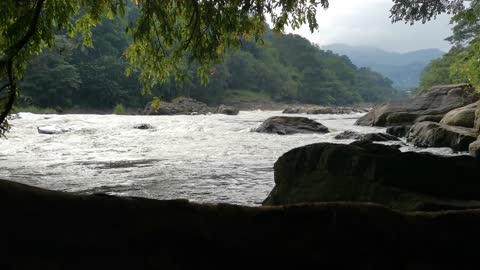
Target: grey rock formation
<point>431,134</point>
<point>284,125</point>
<point>436,101</point>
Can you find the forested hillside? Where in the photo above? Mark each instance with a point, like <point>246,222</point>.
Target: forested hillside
<point>283,68</point>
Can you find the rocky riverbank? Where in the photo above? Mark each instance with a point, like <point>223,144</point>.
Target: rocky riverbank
<point>334,206</point>
<point>442,116</point>
<point>48,227</point>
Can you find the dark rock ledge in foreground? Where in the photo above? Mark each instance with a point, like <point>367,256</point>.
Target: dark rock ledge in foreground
<point>54,230</point>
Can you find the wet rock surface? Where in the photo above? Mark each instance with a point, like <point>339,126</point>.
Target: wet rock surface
<point>290,125</point>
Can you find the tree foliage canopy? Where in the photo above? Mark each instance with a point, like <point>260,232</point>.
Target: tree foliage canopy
<point>282,68</point>
<point>166,33</point>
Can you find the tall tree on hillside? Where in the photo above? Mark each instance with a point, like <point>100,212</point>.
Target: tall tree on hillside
<point>460,64</point>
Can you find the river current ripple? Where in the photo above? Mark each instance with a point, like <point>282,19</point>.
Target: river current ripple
<point>203,158</point>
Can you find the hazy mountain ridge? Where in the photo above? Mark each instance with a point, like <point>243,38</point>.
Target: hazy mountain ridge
<point>403,69</point>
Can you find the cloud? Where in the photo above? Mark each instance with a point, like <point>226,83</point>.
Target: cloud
<point>367,23</point>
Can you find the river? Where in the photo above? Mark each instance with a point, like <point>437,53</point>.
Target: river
<point>203,158</point>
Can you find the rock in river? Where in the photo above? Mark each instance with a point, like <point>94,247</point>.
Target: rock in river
<point>179,106</point>
<point>187,106</point>
<point>228,110</point>
<point>143,126</point>
<point>51,130</point>
<point>373,137</point>
<point>377,173</point>
<point>434,102</point>
<point>431,134</point>
<point>290,125</point>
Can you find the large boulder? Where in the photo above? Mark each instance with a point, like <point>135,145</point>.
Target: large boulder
<point>290,125</point>
<point>179,106</point>
<point>377,173</point>
<point>436,101</point>
<point>228,110</point>
<point>431,134</point>
<point>373,137</point>
<point>474,148</point>
<point>462,117</point>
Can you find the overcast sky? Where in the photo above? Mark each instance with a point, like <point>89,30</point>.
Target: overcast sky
<point>367,22</point>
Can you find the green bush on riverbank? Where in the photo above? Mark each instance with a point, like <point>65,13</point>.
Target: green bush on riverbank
<point>35,109</point>
<point>119,109</point>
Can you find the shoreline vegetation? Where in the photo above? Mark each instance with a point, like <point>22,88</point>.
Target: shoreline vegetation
<point>242,105</point>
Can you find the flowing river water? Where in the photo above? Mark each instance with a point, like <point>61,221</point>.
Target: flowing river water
<point>203,158</point>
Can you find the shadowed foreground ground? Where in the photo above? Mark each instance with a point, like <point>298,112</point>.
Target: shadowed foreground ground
<point>61,231</point>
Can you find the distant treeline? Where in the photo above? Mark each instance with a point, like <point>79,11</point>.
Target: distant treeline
<point>283,68</point>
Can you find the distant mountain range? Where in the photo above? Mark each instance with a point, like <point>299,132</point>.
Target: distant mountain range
<point>403,69</point>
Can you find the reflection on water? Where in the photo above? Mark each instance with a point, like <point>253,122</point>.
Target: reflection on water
<point>206,158</point>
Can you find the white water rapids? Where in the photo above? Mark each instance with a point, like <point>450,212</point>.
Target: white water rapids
<point>203,158</point>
